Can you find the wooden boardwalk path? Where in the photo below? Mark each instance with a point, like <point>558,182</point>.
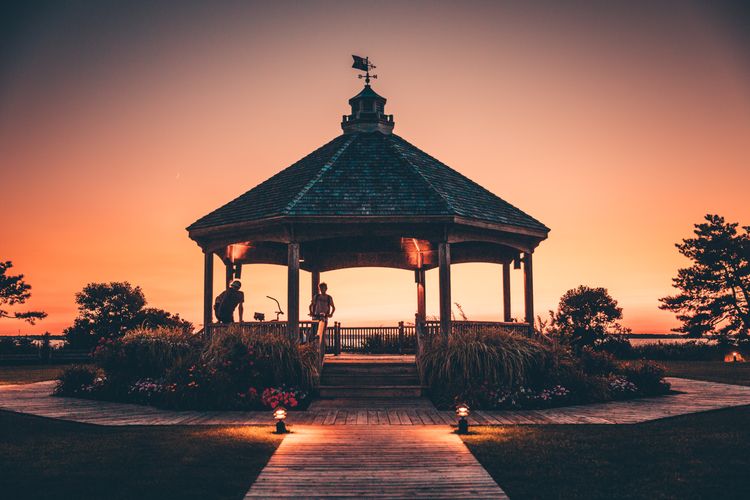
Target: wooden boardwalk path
<point>374,462</point>
<point>695,396</point>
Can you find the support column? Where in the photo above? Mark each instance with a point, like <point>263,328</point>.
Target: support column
<point>506,291</point>
<point>315,283</point>
<point>419,275</point>
<point>292,291</point>
<point>230,274</point>
<point>528,288</point>
<point>208,290</point>
<point>444,255</point>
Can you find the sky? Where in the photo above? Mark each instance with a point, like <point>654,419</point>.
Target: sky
<point>619,125</point>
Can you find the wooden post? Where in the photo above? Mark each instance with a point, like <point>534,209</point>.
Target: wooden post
<point>337,338</point>
<point>292,291</point>
<point>528,288</point>
<point>421,296</point>
<point>230,274</point>
<point>208,291</point>
<point>315,283</point>
<point>506,291</point>
<point>400,336</point>
<point>444,255</point>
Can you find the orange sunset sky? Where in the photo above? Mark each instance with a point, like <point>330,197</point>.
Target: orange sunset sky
<point>617,124</point>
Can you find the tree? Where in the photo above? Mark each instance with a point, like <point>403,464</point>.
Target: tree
<point>715,289</point>
<point>151,317</point>
<point>107,310</point>
<point>586,316</point>
<point>14,290</point>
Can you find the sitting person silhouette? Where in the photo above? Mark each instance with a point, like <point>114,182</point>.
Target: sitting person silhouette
<point>227,301</point>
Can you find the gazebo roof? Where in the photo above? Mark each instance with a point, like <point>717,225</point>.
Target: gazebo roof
<point>369,174</point>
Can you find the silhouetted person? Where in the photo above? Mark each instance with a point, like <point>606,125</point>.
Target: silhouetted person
<point>321,308</point>
<point>227,301</point>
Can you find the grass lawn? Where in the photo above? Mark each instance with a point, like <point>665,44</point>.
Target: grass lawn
<point>45,458</point>
<point>714,371</point>
<point>704,455</point>
<point>26,374</point>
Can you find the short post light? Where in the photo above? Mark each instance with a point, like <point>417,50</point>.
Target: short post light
<point>280,415</point>
<point>462,411</point>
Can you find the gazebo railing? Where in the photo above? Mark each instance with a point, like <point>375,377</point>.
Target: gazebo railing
<point>401,338</point>
<point>432,328</point>
<point>261,327</point>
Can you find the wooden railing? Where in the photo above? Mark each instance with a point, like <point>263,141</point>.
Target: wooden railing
<point>432,328</point>
<point>391,339</point>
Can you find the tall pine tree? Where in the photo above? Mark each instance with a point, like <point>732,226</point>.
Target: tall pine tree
<point>715,290</point>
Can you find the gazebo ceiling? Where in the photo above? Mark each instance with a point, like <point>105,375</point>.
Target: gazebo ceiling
<point>337,253</point>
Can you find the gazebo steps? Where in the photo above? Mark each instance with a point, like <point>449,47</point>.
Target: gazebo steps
<point>370,391</point>
<point>370,377</point>
<point>398,379</point>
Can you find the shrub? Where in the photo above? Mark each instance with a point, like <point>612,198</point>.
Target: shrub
<point>145,353</point>
<point>685,351</point>
<point>647,376</point>
<point>598,362</point>
<point>617,345</point>
<point>274,397</point>
<point>82,381</point>
<point>276,359</point>
<point>467,361</point>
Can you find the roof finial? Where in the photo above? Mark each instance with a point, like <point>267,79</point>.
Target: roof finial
<point>363,64</point>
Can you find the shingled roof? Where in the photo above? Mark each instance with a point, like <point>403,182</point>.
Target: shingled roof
<point>368,174</point>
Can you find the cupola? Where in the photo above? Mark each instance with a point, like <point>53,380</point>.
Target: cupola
<point>368,114</point>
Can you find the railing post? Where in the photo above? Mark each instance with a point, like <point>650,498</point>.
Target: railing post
<point>400,336</point>
<point>337,338</point>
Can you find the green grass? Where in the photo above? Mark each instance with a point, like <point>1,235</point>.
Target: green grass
<point>713,371</point>
<point>26,374</point>
<point>44,458</point>
<point>705,455</point>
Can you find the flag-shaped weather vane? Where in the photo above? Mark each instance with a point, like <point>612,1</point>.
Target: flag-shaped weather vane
<point>363,64</point>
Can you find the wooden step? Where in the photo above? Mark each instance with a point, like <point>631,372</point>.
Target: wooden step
<point>379,391</point>
<point>369,380</point>
<point>370,369</point>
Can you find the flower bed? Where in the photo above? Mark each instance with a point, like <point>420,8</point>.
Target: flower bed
<point>517,372</point>
<point>235,370</point>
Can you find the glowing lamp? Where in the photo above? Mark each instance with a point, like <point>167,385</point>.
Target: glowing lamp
<point>280,415</point>
<point>734,357</point>
<point>462,411</point>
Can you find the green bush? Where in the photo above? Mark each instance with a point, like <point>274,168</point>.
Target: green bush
<point>492,369</point>
<point>647,376</point>
<point>458,365</point>
<point>145,353</point>
<point>277,359</point>
<point>672,351</point>
<point>172,368</point>
<point>81,380</point>
<point>598,362</point>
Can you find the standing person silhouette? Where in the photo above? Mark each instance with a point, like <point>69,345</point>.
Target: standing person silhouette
<point>227,301</point>
<point>321,308</point>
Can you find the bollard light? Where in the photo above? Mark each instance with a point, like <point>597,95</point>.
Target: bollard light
<point>280,415</point>
<point>462,411</point>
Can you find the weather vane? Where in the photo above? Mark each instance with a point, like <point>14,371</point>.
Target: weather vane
<point>363,64</point>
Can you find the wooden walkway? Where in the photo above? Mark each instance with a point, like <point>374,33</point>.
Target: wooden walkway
<point>695,396</point>
<point>374,462</point>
